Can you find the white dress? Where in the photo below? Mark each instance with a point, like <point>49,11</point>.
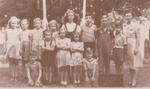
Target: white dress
<point>13,43</point>
<point>133,60</point>
<point>77,56</point>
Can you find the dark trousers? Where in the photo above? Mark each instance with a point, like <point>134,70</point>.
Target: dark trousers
<point>106,62</point>
<point>118,59</point>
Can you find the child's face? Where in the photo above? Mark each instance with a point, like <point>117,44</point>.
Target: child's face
<point>48,37</point>
<point>24,24</point>
<point>33,59</point>
<point>70,16</point>
<point>89,55</point>
<point>62,34</point>
<point>128,16</point>
<point>118,29</point>
<point>76,38</point>
<point>13,24</point>
<point>53,27</point>
<point>37,24</point>
<point>89,19</point>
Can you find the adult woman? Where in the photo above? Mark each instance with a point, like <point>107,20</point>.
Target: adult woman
<point>133,59</point>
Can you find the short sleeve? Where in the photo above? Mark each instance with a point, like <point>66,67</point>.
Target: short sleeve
<point>39,64</point>
<point>68,41</point>
<point>63,27</point>
<point>78,29</point>
<point>124,39</point>
<point>42,43</point>
<point>53,43</point>
<point>27,65</point>
<point>82,46</point>
<point>94,27</point>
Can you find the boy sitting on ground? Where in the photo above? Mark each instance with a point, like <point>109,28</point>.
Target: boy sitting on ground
<point>34,71</point>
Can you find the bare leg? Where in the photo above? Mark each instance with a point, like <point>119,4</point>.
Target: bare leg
<point>65,77</point>
<point>16,71</point>
<point>50,75</point>
<point>134,76</point>
<point>79,76</point>
<point>131,76</point>
<point>44,74</point>
<point>47,74</point>
<point>61,77</point>
<point>118,68</point>
<point>19,68</point>
<point>11,68</point>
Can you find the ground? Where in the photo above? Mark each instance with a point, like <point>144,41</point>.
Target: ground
<point>143,79</point>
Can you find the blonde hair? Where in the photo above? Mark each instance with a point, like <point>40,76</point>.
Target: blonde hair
<point>13,18</point>
<point>54,22</point>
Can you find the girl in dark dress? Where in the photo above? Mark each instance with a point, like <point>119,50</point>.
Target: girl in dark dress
<point>48,56</point>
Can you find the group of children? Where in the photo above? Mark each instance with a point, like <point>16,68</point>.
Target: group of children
<point>47,56</point>
<point>66,54</point>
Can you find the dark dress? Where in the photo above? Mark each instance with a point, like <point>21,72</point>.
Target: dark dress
<point>70,34</point>
<point>48,57</point>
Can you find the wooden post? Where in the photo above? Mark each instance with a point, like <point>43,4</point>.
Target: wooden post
<point>84,8</point>
<point>45,22</point>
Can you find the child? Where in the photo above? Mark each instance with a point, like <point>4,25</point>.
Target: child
<point>48,56</point>
<point>118,48</point>
<point>70,24</point>
<point>25,43</point>
<point>2,44</point>
<point>13,46</point>
<point>90,66</point>
<point>88,32</point>
<point>54,27</point>
<point>34,71</point>
<point>77,49</point>
<point>104,43</point>
<point>37,36</point>
<point>63,56</point>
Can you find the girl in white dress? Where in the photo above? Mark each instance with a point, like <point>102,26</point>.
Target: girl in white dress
<point>63,56</point>
<point>13,46</point>
<point>77,49</point>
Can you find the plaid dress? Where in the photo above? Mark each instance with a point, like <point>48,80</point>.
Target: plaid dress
<point>63,56</point>
<point>37,37</point>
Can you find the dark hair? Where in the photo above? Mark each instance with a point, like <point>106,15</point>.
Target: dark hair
<point>76,19</point>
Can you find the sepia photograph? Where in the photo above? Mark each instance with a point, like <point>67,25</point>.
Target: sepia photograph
<point>74,43</point>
